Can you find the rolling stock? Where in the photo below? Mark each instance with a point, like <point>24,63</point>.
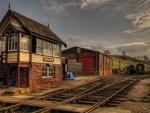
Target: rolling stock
<point>142,68</point>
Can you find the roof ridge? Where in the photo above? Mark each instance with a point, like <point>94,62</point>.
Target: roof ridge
<point>30,19</point>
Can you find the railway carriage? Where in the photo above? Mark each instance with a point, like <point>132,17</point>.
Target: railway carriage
<point>142,68</point>
<point>130,69</point>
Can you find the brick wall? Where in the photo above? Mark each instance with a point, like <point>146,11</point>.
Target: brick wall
<point>36,82</point>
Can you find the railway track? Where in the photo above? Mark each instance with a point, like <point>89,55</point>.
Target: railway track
<point>80,98</point>
<point>79,90</point>
<point>106,96</point>
<point>104,89</point>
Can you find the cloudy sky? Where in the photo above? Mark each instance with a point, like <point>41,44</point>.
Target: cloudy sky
<point>116,25</point>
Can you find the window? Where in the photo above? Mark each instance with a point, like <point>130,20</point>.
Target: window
<point>47,48</point>
<point>13,41</point>
<point>3,44</point>
<point>56,51</point>
<point>47,72</point>
<point>39,46</point>
<point>24,43</point>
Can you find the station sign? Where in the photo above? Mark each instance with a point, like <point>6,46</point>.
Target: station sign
<point>47,59</point>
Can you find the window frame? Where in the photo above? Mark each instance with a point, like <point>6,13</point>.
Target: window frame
<point>48,72</point>
<point>1,44</point>
<point>54,48</point>
<point>13,42</point>
<point>50,45</point>
<point>27,44</point>
<point>54,52</point>
<point>38,47</point>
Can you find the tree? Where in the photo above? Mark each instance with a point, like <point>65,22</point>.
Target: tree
<point>106,52</point>
<point>145,57</point>
<point>124,53</point>
<point>142,57</point>
<point>138,57</point>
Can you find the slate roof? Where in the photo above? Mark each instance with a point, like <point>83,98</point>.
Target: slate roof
<point>36,27</point>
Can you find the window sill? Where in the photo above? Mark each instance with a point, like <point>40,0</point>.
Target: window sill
<point>24,51</point>
<point>48,77</point>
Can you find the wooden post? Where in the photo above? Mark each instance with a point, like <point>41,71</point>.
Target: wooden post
<point>30,61</point>
<point>7,78</point>
<point>18,77</point>
<point>18,67</point>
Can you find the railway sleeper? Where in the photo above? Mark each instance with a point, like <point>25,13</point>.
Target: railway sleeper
<point>69,94</point>
<point>29,108</point>
<point>98,97</point>
<point>91,99</point>
<point>63,96</point>
<point>104,94</point>
<point>13,109</point>
<point>112,104</point>
<point>121,95</point>
<point>115,101</point>
<point>120,99</point>
<point>85,102</point>
<point>107,92</point>
<point>56,99</point>
<point>75,91</point>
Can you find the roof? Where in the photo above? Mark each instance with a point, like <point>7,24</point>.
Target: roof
<point>86,49</point>
<point>19,29</point>
<point>36,28</point>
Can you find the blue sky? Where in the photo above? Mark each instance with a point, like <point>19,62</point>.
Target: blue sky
<point>117,25</point>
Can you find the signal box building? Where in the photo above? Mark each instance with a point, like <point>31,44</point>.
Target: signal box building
<point>30,53</point>
<point>92,61</point>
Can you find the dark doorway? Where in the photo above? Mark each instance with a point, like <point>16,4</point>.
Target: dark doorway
<point>23,77</point>
<point>64,72</point>
<point>3,74</point>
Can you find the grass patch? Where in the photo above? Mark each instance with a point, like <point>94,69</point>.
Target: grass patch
<point>123,62</point>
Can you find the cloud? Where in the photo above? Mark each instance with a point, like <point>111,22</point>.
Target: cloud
<point>74,39</point>
<point>85,4</point>
<point>98,47</point>
<point>120,7</point>
<point>56,7</point>
<point>132,30</point>
<point>139,17</point>
<point>134,47</point>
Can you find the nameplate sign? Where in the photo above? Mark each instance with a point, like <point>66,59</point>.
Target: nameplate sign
<point>46,59</point>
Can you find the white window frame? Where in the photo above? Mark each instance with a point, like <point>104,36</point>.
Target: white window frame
<point>47,72</point>
<point>25,42</point>
<point>12,42</point>
<point>3,41</point>
<point>56,50</point>
<point>37,46</point>
<point>47,46</point>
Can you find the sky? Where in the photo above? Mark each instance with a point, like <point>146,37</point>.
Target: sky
<point>114,25</point>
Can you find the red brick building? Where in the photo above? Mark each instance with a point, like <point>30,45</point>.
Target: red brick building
<point>92,61</point>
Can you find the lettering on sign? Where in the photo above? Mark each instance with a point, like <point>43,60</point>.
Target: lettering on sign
<point>46,59</point>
